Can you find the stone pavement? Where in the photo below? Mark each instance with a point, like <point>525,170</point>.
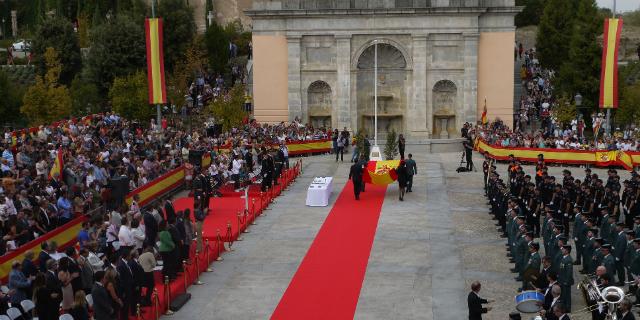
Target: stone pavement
<point>427,250</point>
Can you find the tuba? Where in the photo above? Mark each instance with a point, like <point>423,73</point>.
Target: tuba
<point>590,290</point>
<point>612,296</point>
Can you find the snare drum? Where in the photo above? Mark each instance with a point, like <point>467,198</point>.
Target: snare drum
<point>529,301</point>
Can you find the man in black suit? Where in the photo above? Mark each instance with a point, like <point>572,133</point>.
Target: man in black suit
<point>355,174</point>
<point>43,257</point>
<point>552,279</point>
<point>127,283</point>
<point>625,310</point>
<point>169,211</point>
<point>542,282</point>
<point>474,302</point>
<point>102,309</point>
<point>150,229</point>
<point>53,284</point>
<point>560,312</point>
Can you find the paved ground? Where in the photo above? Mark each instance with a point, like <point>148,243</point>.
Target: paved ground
<point>427,251</point>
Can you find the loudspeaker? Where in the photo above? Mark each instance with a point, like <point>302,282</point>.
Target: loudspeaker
<point>195,157</point>
<point>120,187</point>
<point>179,301</point>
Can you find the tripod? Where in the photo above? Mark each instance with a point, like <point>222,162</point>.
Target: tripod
<point>463,163</point>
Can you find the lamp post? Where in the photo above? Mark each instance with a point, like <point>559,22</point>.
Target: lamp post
<point>578,100</point>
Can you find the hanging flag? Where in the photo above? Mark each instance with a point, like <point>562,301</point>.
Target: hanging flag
<point>57,166</point>
<point>155,61</point>
<point>484,113</point>
<point>609,73</point>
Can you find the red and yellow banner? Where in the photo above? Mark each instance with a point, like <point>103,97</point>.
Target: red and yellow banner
<point>64,236</point>
<point>298,147</point>
<point>157,187</point>
<point>381,173</point>
<point>155,61</point>
<point>57,166</point>
<point>599,158</point>
<point>609,73</point>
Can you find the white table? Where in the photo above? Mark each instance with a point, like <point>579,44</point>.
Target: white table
<point>319,192</point>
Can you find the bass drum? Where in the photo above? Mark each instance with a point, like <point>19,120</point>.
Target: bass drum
<point>529,301</point>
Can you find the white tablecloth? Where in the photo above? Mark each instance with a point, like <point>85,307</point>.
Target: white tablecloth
<point>319,192</point>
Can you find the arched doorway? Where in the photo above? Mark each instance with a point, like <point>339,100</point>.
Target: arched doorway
<point>392,98</point>
<point>319,104</point>
<point>445,94</point>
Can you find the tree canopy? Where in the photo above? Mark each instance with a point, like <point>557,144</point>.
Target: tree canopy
<point>179,29</point>
<point>11,99</point>
<point>57,33</point>
<point>129,97</point>
<point>228,110</point>
<point>117,49</point>
<point>531,13</point>
<point>217,42</point>
<point>554,32</point>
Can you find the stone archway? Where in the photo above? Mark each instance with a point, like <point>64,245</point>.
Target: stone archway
<point>319,104</point>
<point>445,95</point>
<point>392,82</point>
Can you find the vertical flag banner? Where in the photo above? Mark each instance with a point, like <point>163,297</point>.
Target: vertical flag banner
<point>609,75</point>
<point>57,166</point>
<point>484,114</point>
<point>155,61</point>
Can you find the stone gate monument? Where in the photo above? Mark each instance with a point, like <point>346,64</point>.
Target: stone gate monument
<point>438,60</point>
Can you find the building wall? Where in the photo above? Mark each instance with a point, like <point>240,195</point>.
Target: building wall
<point>270,78</point>
<point>496,75</point>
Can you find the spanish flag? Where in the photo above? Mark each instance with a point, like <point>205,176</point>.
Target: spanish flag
<point>484,113</point>
<point>57,166</point>
<point>381,173</point>
<point>155,61</point>
<point>609,72</point>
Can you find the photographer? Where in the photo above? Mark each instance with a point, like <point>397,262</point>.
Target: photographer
<point>468,149</point>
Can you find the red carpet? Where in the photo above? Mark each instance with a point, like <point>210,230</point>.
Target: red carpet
<point>328,282</point>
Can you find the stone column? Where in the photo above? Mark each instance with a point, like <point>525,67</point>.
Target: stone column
<point>470,91</point>
<point>341,114</point>
<point>417,117</point>
<point>295,99</point>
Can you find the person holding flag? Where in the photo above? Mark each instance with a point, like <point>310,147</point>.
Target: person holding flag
<point>484,114</point>
<point>56,169</point>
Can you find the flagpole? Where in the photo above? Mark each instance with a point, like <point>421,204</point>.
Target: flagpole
<point>608,126</point>
<point>158,111</point>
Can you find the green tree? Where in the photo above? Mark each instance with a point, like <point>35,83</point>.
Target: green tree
<point>217,43</point>
<point>57,33</point>
<point>564,111</point>
<point>47,100</point>
<point>85,98</point>
<point>531,13</point>
<point>117,49</point>
<point>228,109</point>
<point>130,98</point>
<point>554,32</point>
<point>580,72</point>
<point>391,146</point>
<point>186,69</point>
<point>11,99</point>
<point>179,28</point>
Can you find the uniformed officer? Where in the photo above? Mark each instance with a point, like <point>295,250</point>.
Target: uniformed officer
<point>608,261</point>
<point>533,263</point>
<point>588,249</point>
<point>629,253</point>
<point>620,246</point>
<point>597,256</point>
<point>565,276</point>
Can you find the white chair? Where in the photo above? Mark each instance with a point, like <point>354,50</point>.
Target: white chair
<point>66,316</point>
<point>4,317</point>
<point>14,313</point>
<point>4,289</point>
<point>89,299</point>
<point>27,306</point>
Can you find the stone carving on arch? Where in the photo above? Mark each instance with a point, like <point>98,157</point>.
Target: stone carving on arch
<point>319,103</point>
<point>445,100</point>
<point>355,60</point>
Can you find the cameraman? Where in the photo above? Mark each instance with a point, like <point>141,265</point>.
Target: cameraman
<point>468,149</point>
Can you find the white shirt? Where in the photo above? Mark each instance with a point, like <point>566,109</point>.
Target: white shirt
<point>125,237</point>
<point>236,166</point>
<point>138,237</point>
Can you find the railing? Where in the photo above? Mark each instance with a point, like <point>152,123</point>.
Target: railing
<point>387,4</point>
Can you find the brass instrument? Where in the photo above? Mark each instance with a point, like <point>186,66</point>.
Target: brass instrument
<point>612,296</point>
<point>590,290</point>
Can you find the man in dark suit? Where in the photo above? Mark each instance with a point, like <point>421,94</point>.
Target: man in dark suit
<point>474,302</point>
<point>412,169</point>
<point>127,283</point>
<point>560,312</point>
<point>150,228</point>
<point>542,282</point>
<point>552,279</point>
<point>43,257</point>
<point>355,175</point>
<point>625,310</point>
<point>102,309</point>
<point>169,211</point>
<point>619,251</point>
<point>52,282</point>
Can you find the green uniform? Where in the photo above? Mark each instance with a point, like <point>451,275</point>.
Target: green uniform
<point>533,263</point>
<point>596,261</point>
<point>521,252</point>
<point>565,278</point>
<point>587,254</point>
<point>635,263</point>
<point>610,263</point>
<point>605,228</point>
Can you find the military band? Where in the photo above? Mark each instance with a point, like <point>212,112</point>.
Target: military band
<point>597,219</point>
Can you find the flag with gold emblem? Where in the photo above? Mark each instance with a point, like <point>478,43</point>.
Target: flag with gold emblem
<point>381,173</point>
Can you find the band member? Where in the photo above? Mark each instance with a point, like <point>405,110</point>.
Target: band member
<point>474,302</point>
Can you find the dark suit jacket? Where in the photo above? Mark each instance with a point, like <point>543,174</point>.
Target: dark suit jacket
<point>355,173</point>
<point>29,268</point>
<point>475,306</point>
<point>54,285</point>
<point>150,228</point>
<point>542,282</point>
<point>125,278</point>
<point>628,316</point>
<point>102,309</point>
<point>42,261</point>
<point>169,211</point>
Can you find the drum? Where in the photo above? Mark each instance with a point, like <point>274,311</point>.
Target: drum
<point>529,301</point>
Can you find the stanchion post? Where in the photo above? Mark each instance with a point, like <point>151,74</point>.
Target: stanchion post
<point>218,242</point>
<point>185,275</point>
<point>253,211</point>
<point>138,312</point>
<point>245,218</point>
<point>167,294</point>
<point>229,236</point>
<point>156,302</point>
<point>207,255</point>
<point>239,238</point>
<point>197,281</point>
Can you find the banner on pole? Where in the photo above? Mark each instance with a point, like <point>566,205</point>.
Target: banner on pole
<point>155,61</point>
<point>609,75</point>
